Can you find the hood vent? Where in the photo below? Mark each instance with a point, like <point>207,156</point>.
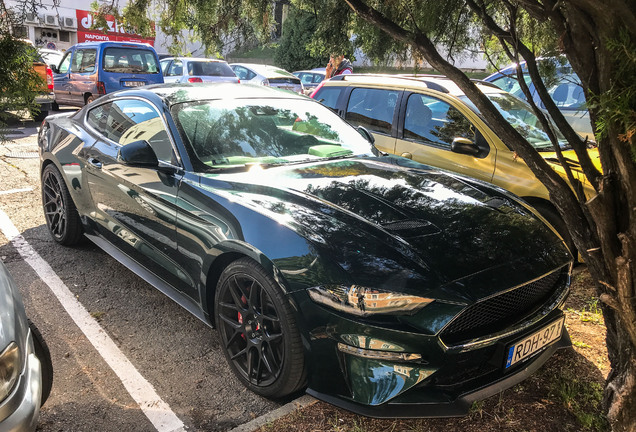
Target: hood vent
<point>411,228</point>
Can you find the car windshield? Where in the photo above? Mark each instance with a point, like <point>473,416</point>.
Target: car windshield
<point>246,132</point>
<point>519,114</point>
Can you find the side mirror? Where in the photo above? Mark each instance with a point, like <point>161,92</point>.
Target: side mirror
<point>465,146</point>
<point>138,153</point>
<point>366,134</point>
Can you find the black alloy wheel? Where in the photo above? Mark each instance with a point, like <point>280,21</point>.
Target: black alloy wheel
<point>60,213</point>
<point>258,331</point>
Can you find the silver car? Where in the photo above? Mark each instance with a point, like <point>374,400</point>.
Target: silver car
<point>26,372</point>
<point>268,76</point>
<point>193,69</point>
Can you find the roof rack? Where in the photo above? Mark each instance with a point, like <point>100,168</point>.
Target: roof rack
<point>420,79</point>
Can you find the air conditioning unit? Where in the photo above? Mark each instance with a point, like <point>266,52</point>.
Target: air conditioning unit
<point>68,22</point>
<point>31,18</point>
<point>51,21</point>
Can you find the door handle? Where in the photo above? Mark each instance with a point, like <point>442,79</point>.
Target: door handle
<point>94,162</point>
<point>407,155</point>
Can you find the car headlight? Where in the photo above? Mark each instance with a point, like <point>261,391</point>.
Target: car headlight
<point>9,369</point>
<point>362,301</point>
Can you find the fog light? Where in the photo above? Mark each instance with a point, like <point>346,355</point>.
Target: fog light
<point>378,355</point>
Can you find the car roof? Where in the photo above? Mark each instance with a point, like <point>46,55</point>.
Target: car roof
<point>188,59</point>
<point>433,82</point>
<point>186,92</point>
<point>266,70</point>
<point>309,71</point>
<point>112,43</point>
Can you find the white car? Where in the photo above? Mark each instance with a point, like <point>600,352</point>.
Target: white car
<point>193,69</point>
<point>26,372</point>
<point>51,57</point>
<point>268,76</point>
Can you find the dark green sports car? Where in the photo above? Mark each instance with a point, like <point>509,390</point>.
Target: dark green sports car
<point>382,285</point>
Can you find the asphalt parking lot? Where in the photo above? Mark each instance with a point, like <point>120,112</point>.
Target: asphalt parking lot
<point>125,357</point>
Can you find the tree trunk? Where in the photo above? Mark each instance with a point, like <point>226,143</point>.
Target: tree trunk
<point>606,239</point>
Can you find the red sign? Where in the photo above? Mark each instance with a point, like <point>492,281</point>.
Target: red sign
<point>116,31</point>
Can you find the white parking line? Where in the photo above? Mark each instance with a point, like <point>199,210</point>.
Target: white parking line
<point>12,191</point>
<point>157,411</point>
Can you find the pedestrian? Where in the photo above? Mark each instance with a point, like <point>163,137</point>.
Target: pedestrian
<point>338,65</point>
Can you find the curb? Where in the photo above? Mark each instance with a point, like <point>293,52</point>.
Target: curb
<point>292,406</point>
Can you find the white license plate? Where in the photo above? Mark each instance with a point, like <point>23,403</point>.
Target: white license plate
<point>133,83</point>
<point>534,343</point>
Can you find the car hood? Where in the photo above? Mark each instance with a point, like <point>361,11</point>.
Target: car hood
<point>572,159</point>
<point>391,222</point>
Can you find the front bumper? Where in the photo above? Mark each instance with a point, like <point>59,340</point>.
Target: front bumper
<point>19,412</point>
<point>45,101</point>
<point>421,402</point>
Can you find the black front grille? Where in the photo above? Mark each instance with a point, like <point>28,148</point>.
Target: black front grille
<point>498,312</point>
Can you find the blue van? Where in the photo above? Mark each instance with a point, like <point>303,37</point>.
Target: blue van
<point>92,69</point>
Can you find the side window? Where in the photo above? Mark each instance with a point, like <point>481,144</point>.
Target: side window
<point>328,96</point>
<point>97,117</point>
<point>567,94</point>
<point>306,78</point>
<point>84,61</point>
<point>243,73</point>
<point>65,63</point>
<point>318,78</point>
<point>176,68</point>
<point>165,64</point>
<point>134,120</point>
<point>435,121</point>
<point>372,108</point>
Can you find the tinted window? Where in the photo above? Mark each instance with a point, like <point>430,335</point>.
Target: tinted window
<point>372,108</point>
<point>434,121</point>
<point>97,118</point>
<point>84,61</point>
<point>206,68</point>
<point>134,120</point>
<point>130,60</point>
<point>65,63</point>
<point>328,96</point>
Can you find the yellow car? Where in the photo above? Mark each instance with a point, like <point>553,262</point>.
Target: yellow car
<point>430,120</point>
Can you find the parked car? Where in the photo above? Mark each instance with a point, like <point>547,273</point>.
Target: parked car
<point>310,78</point>
<point>192,69</point>
<point>26,371</point>
<point>563,85</point>
<point>51,57</point>
<point>268,76</point>
<point>384,285</point>
<point>430,120</point>
<point>89,70</point>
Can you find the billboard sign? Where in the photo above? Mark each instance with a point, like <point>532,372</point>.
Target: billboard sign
<point>115,32</point>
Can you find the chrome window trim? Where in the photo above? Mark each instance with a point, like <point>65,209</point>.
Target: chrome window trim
<point>159,114</point>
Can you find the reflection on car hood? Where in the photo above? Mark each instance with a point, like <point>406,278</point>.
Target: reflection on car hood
<point>12,316</point>
<point>391,221</point>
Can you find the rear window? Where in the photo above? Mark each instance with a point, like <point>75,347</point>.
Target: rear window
<point>130,60</point>
<point>206,68</point>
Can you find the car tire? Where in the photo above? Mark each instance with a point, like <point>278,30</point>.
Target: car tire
<point>258,331</point>
<point>44,355</point>
<point>41,115</point>
<point>88,99</point>
<point>553,217</point>
<point>60,212</point>
<point>55,106</point>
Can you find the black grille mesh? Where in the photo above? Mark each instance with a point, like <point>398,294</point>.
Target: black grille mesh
<point>495,313</point>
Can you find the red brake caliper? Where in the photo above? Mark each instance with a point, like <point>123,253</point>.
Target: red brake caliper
<point>240,317</point>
